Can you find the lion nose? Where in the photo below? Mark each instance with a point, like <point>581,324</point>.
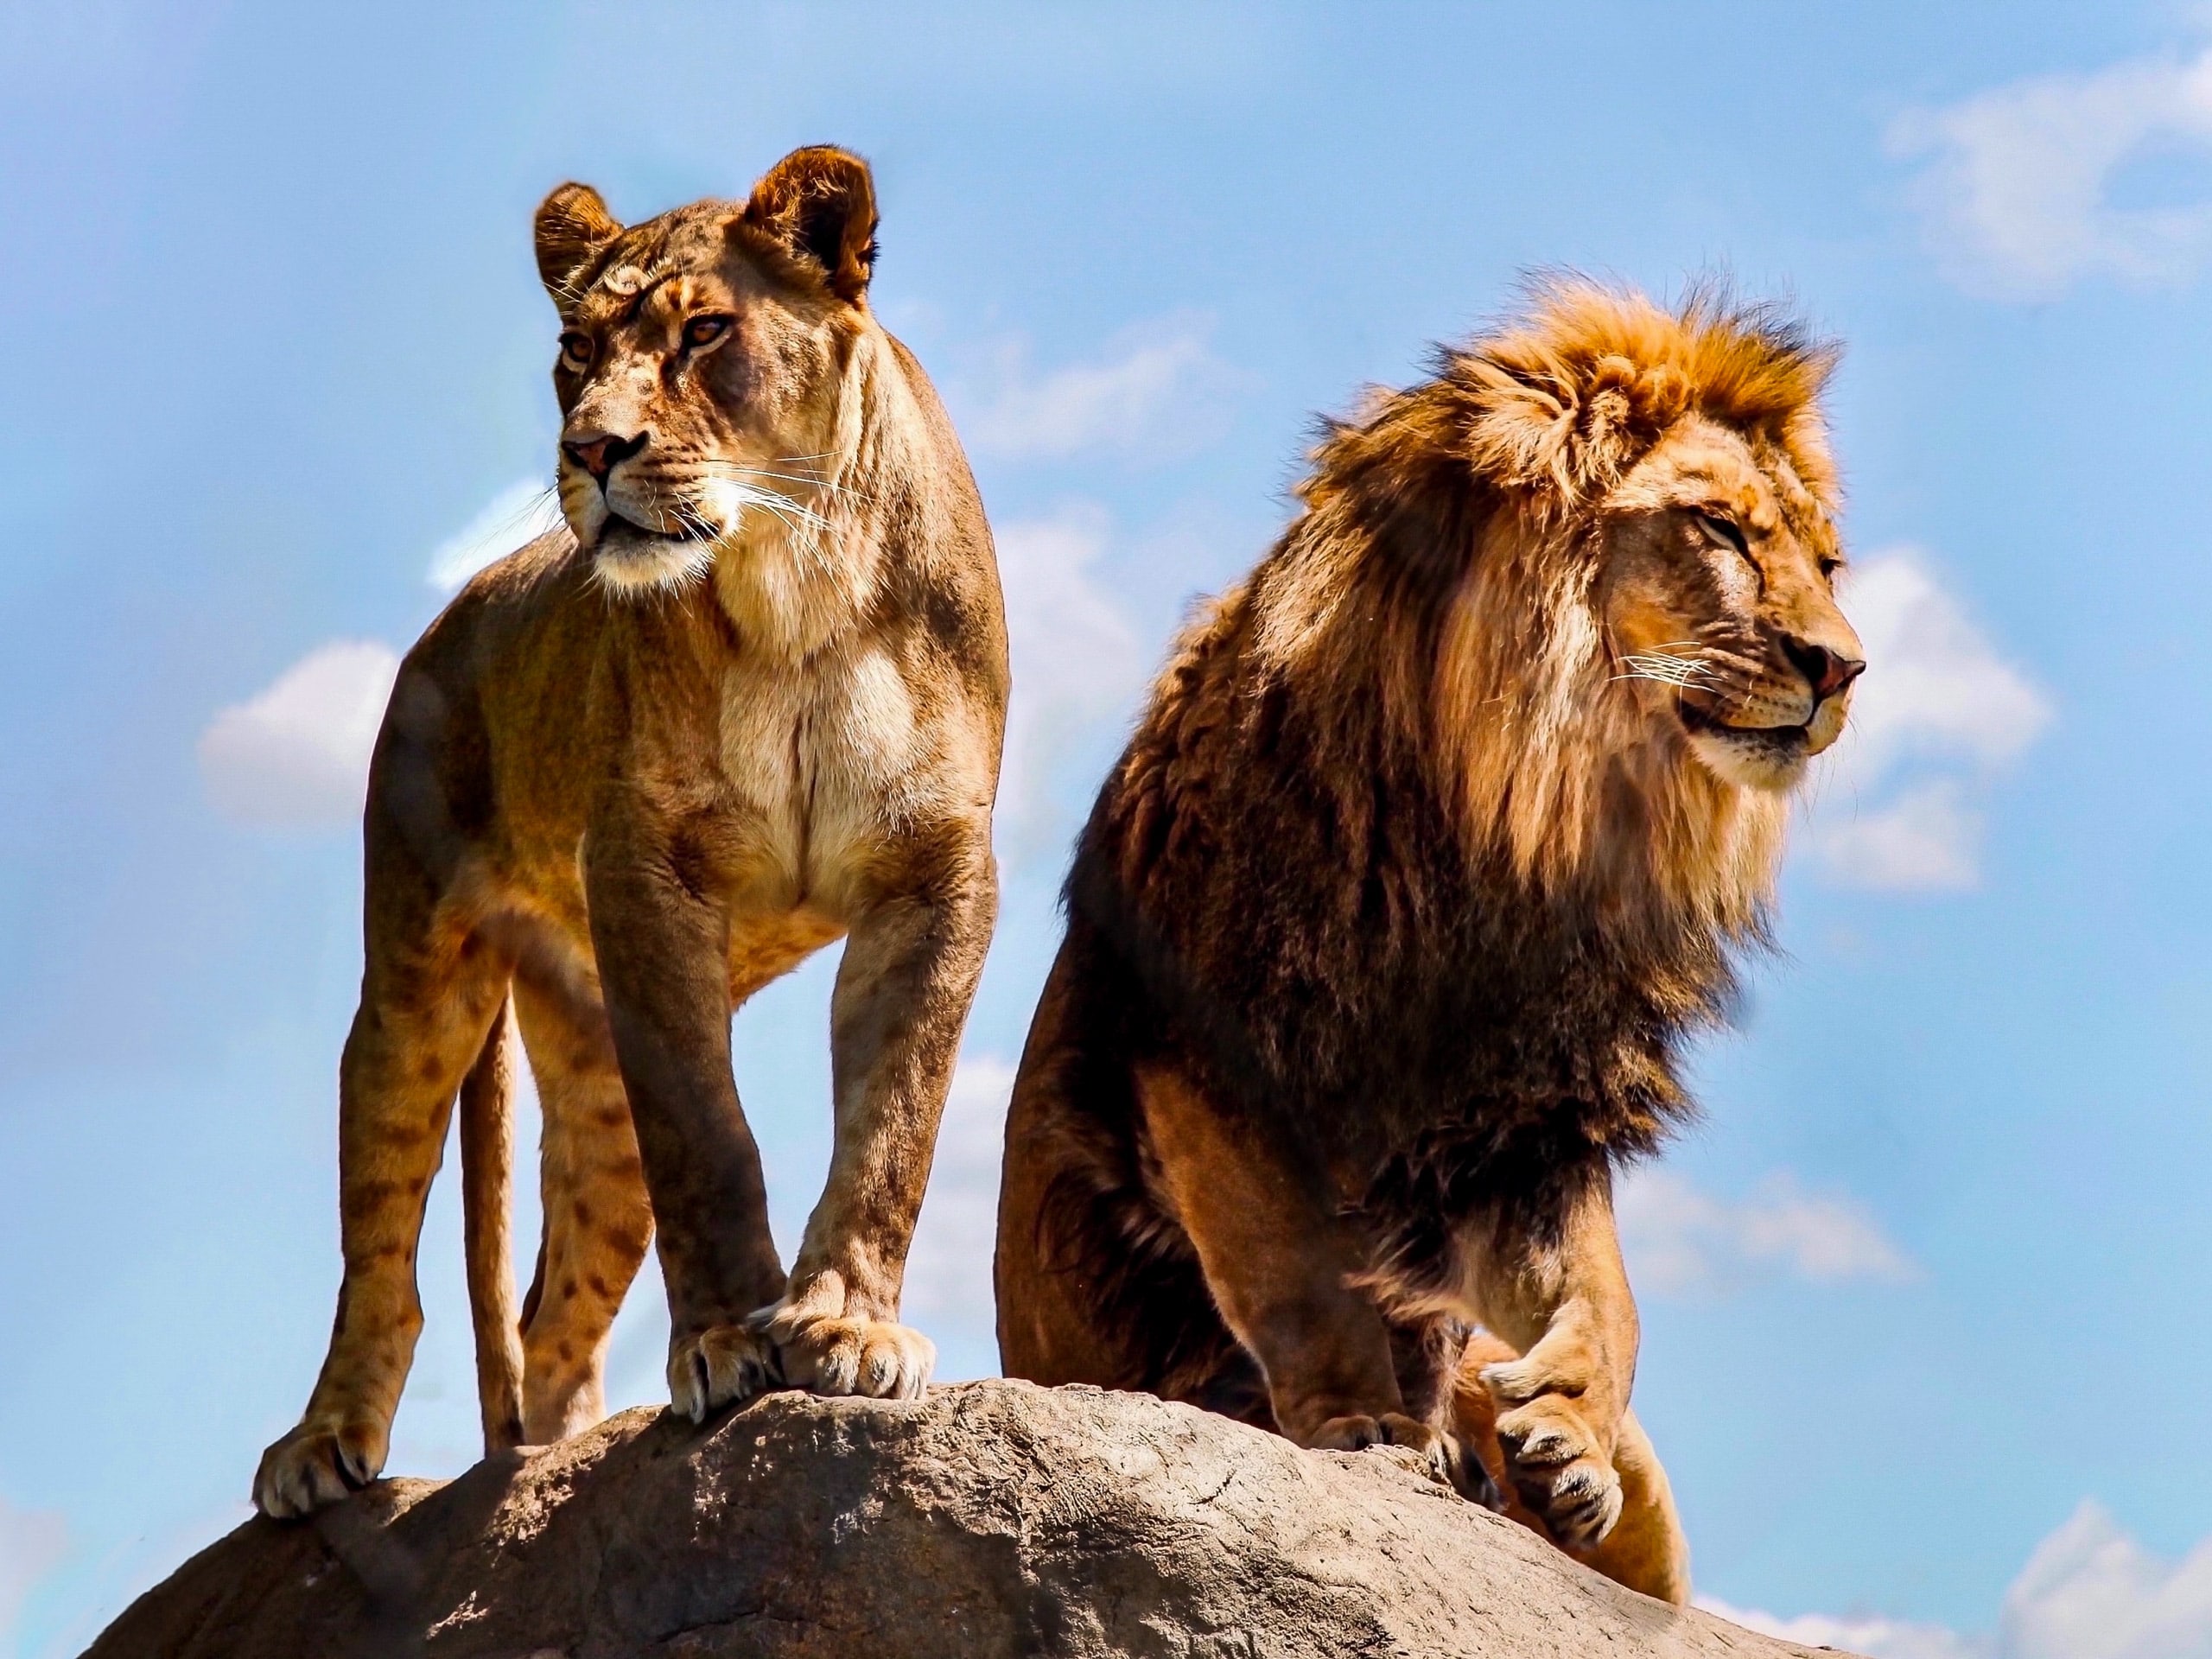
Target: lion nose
<point>601,453</point>
<point>1826,672</point>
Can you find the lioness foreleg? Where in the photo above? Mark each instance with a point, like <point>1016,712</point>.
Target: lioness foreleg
<point>908,974</point>
<point>1551,1283</point>
<point>660,937</point>
<point>1280,1264</point>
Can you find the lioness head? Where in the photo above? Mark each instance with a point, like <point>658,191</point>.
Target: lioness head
<point>700,357</point>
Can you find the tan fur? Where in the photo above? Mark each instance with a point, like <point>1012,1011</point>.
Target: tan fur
<point>1439,835</point>
<point>749,702</point>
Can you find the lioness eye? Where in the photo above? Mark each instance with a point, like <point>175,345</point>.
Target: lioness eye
<point>1722,529</point>
<point>575,351</point>
<point>704,331</point>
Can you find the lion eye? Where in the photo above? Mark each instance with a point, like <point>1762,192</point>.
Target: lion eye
<point>575,351</point>
<point>1725,531</point>
<point>1829,567</point>
<point>704,331</point>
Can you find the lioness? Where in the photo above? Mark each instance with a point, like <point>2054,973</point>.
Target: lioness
<point>749,701</point>
<point>1436,841</point>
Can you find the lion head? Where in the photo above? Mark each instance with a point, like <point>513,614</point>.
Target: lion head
<point>701,359</point>
<point>1613,526</point>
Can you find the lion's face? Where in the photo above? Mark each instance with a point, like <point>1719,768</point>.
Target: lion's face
<point>1717,595</point>
<point>700,356</point>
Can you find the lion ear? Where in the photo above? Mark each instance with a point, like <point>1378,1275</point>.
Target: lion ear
<point>819,203</point>
<point>573,225</point>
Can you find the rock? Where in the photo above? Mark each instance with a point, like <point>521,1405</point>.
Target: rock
<point>992,1518</point>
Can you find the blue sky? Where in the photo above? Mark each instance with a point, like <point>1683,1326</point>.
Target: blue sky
<point>1926,1329</point>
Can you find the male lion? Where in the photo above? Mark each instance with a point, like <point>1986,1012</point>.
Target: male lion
<point>1437,840</point>
<point>749,701</point>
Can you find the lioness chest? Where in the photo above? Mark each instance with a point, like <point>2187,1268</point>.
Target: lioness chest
<point>824,770</point>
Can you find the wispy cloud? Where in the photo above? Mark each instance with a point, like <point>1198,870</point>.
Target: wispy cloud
<point>949,1289</point>
<point>296,755</point>
<point>1156,392</point>
<point>2018,192</point>
<point>1678,1238</point>
<point>1076,656</point>
<point>522,513</point>
<point>32,1544</point>
<point>1871,1634</point>
<point>1939,713</point>
<point>2088,1592</point>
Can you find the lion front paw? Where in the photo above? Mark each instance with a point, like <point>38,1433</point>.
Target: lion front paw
<point>317,1465</point>
<point>842,1354</point>
<point>1448,1462</point>
<point>1557,1467</point>
<point>719,1366</point>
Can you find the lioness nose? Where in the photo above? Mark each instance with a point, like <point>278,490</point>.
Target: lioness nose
<point>601,455</point>
<point>1826,672</point>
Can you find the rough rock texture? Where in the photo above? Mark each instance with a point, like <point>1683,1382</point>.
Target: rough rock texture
<point>993,1518</point>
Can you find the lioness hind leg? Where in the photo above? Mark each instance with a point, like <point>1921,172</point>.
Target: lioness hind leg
<point>421,1024</point>
<point>598,1220</point>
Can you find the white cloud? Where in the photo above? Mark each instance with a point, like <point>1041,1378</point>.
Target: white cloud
<point>2091,1591</point>
<point>1677,1238</point>
<point>1077,657</point>
<point>2088,1592</point>
<point>520,513</point>
<point>1157,393</point>
<point>1873,1637</point>
<point>2017,191</point>
<point>949,1287</point>
<point>1924,840</point>
<point>296,756</point>
<point>32,1543</point>
<point>1939,712</point>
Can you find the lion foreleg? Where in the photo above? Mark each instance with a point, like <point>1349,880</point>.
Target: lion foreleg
<point>1646,1550</point>
<point>903,990</point>
<point>1280,1265</point>
<point>1551,1284</point>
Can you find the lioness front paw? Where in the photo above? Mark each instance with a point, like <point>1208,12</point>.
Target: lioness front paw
<point>1558,1472</point>
<point>719,1366</point>
<point>315,1466</point>
<point>1448,1462</point>
<point>842,1354</point>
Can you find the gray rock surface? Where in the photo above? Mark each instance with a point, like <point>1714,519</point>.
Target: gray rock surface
<point>993,1518</point>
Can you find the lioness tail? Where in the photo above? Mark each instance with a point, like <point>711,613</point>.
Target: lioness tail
<point>486,1173</point>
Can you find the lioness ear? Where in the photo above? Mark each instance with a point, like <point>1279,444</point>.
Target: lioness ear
<point>820,203</point>
<point>573,225</point>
